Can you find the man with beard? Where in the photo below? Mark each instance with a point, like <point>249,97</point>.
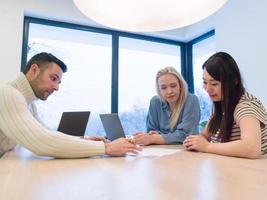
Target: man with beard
<point>19,123</point>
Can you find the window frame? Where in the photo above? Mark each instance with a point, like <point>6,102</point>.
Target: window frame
<point>185,50</point>
<point>115,48</point>
<point>189,52</point>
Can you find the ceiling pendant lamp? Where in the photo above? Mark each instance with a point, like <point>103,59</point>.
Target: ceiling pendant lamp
<point>148,15</point>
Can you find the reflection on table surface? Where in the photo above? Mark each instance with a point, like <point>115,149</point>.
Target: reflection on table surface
<point>159,172</point>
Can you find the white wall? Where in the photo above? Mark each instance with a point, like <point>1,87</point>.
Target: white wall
<point>11,27</point>
<point>11,22</point>
<point>240,30</point>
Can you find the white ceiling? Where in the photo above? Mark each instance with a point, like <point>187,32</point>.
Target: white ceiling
<point>75,16</point>
<point>183,34</point>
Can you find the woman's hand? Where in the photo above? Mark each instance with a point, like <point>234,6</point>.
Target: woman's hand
<point>196,143</point>
<point>152,137</point>
<point>141,138</point>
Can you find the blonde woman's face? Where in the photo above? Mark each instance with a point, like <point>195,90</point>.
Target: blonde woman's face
<point>169,88</point>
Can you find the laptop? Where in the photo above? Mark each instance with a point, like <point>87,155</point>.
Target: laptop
<point>112,126</point>
<point>74,123</point>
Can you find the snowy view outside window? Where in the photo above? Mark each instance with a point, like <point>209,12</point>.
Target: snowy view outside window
<point>86,86</point>
<point>201,52</point>
<point>139,62</point>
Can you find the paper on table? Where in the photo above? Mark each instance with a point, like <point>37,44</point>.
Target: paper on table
<point>157,152</point>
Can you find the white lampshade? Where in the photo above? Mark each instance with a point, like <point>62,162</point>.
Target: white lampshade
<point>148,15</point>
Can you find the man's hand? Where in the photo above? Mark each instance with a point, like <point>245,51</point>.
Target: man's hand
<point>96,138</point>
<point>120,147</point>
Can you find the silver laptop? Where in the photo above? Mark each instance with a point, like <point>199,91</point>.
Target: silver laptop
<point>112,126</point>
<point>74,123</point>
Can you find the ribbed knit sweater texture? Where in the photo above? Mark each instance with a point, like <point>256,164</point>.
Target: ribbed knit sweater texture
<point>19,125</point>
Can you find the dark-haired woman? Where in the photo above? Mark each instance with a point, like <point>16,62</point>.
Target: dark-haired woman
<point>238,125</point>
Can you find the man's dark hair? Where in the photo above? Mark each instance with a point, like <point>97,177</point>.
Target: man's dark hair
<point>43,58</point>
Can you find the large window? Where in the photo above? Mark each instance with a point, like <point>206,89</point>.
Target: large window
<point>202,50</point>
<point>90,54</point>
<point>86,85</point>
<point>109,71</point>
<point>139,62</point>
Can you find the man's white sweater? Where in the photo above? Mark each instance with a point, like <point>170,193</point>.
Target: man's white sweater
<point>18,125</point>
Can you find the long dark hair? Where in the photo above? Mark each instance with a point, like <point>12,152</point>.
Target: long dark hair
<point>222,67</point>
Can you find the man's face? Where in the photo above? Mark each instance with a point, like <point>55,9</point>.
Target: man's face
<point>44,81</point>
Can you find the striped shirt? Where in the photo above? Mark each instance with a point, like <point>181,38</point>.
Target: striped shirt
<point>248,105</point>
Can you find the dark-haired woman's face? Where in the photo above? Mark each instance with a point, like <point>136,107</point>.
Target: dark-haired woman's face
<point>212,86</point>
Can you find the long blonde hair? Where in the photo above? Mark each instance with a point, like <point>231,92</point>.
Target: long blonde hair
<point>182,96</point>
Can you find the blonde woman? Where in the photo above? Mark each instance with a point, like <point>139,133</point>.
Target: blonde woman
<point>173,114</point>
